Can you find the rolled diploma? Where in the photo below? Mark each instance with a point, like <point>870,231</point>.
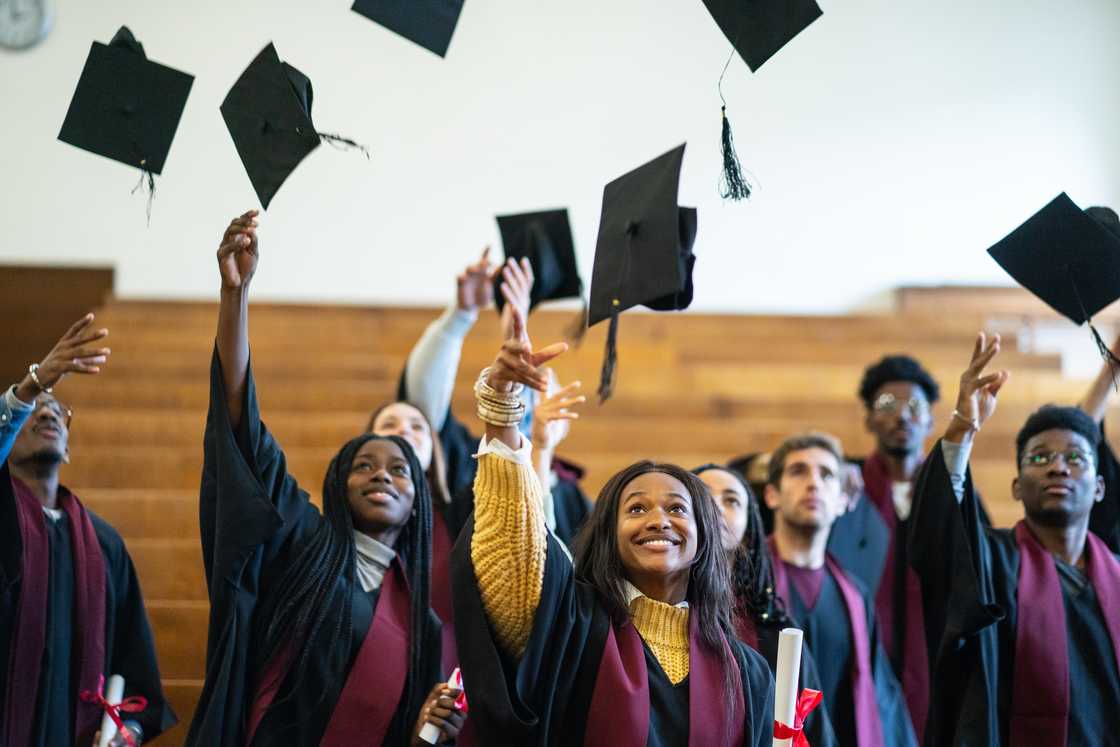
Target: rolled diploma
<point>430,732</point>
<point>785,685</point>
<point>114,693</point>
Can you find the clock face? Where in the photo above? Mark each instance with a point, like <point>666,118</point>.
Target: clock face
<point>23,23</point>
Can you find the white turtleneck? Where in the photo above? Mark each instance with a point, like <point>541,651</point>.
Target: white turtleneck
<point>372,560</point>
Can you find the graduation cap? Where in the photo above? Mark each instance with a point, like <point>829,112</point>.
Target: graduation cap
<point>1069,258</point>
<point>429,23</point>
<point>757,29</point>
<point>126,107</point>
<point>643,255</point>
<point>268,114</point>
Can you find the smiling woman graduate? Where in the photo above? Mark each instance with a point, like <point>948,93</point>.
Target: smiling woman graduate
<point>631,645</point>
<point>321,630</point>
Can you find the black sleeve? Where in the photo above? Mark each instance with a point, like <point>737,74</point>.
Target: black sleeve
<point>818,726</point>
<point>1104,519</point>
<point>758,694</point>
<point>247,497</point>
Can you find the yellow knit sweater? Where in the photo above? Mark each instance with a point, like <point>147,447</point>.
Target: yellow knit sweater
<point>508,551</point>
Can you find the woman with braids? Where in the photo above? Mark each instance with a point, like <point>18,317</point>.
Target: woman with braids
<point>632,645</point>
<point>759,614</point>
<point>321,630</point>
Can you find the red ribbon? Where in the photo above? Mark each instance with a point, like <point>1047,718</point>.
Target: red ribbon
<point>132,704</point>
<point>806,702</point>
<point>461,701</point>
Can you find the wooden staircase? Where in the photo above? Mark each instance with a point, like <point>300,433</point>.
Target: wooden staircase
<point>692,388</point>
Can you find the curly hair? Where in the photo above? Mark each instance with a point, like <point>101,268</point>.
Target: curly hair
<point>896,368</point>
<point>1057,417</point>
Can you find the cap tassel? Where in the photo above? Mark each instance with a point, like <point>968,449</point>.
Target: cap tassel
<point>146,176</point>
<point>1107,354</point>
<point>342,143</point>
<point>577,328</point>
<point>732,184</point>
<point>610,361</point>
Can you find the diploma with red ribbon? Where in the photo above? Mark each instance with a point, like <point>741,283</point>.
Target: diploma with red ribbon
<point>430,733</point>
<point>806,702</point>
<point>113,710</point>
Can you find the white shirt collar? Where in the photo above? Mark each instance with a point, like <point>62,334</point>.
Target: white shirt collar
<point>632,593</point>
<point>371,561</point>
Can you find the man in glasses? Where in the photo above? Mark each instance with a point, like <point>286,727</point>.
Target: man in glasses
<point>1024,622</point>
<point>870,540</point>
<point>71,610</point>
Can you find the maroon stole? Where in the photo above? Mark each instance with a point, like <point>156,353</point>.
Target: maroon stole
<point>441,588</point>
<point>915,658</point>
<point>29,634</point>
<point>869,728</point>
<point>619,712</point>
<point>373,688</point>
<point>1040,697</point>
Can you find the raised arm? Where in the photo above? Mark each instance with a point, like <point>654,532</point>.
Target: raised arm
<point>78,351</point>
<point>509,542</point>
<point>237,261</point>
<point>1095,401</point>
<point>551,423</point>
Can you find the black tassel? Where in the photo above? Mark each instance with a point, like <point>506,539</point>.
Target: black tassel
<point>578,326</point>
<point>146,175</point>
<point>610,361</point>
<point>732,185</point>
<point>1107,355</point>
<point>342,143</point>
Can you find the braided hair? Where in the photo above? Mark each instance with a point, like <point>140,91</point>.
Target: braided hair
<point>308,610</point>
<point>752,577</point>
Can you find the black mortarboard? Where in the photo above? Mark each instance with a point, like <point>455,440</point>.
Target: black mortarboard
<point>545,238</point>
<point>429,23</point>
<point>268,114</point>
<point>126,107</point>
<point>1067,258</point>
<point>643,255</point>
<point>757,29</point>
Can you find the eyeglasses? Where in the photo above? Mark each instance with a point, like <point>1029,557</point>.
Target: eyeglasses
<point>1073,458</point>
<point>59,410</point>
<point>888,404</point>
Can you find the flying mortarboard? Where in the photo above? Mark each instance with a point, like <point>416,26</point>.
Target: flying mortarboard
<point>1069,258</point>
<point>126,107</point>
<point>757,29</point>
<point>268,114</point>
<point>643,255</point>
<point>429,23</point>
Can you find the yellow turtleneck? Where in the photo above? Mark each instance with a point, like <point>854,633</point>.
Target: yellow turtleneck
<point>508,552</point>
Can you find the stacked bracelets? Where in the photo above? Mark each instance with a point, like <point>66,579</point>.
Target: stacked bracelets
<point>498,408</point>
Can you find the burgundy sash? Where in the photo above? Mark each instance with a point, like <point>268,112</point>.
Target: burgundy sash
<point>1040,700</point>
<point>373,688</point>
<point>441,588</point>
<point>869,727</point>
<point>619,712</point>
<point>29,635</point>
<point>915,658</point>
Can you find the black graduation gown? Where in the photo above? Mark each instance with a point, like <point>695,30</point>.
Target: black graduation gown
<point>828,634</point>
<point>1104,519</point>
<point>818,726</point>
<point>970,575</point>
<point>544,697</point>
<point>254,520</point>
<point>129,645</point>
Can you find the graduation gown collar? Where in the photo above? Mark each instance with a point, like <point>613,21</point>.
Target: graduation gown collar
<point>1040,701</point>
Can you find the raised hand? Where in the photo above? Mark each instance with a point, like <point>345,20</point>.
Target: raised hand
<point>976,400</point>
<point>517,362</point>
<point>77,351</point>
<point>552,417</point>
<point>516,288</point>
<point>440,710</point>
<point>474,286</point>
<point>239,252</point>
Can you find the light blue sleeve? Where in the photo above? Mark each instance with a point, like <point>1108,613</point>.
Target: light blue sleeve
<point>13,414</point>
<point>956,459</point>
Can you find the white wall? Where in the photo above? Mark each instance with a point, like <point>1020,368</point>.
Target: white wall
<point>894,140</point>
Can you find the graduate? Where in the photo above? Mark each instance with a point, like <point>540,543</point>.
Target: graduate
<point>429,377</point>
<point>1030,615</point>
<point>759,615</point>
<point>321,630</point>
<point>631,645</point>
<point>71,611</point>
<point>832,605</point>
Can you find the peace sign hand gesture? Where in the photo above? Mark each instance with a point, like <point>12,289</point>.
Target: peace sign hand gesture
<point>976,400</point>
